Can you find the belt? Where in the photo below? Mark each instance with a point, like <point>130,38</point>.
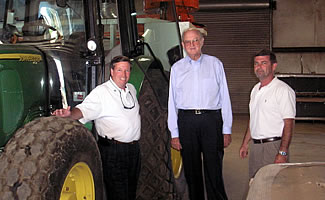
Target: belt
<point>198,111</point>
<point>260,141</point>
<point>106,141</point>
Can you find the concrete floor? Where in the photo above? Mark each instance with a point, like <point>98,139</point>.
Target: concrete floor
<point>308,145</point>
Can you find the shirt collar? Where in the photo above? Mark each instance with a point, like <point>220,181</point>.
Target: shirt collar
<point>116,87</point>
<point>194,61</point>
<point>273,80</point>
<point>270,83</point>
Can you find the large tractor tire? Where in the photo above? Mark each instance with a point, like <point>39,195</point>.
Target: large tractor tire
<point>157,180</point>
<point>51,158</point>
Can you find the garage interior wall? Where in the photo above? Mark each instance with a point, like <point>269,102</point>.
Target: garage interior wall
<point>299,36</point>
<point>234,37</point>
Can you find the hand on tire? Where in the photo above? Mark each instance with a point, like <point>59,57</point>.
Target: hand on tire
<point>62,112</point>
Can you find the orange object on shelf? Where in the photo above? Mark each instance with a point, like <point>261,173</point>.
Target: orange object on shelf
<point>183,7</point>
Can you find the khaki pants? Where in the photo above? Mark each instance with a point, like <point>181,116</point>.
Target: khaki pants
<point>261,155</point>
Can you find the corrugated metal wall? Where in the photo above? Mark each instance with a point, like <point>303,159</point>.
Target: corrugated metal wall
<point>234,37</point>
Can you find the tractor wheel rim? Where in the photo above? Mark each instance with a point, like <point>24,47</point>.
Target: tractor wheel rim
<point>79,183</point>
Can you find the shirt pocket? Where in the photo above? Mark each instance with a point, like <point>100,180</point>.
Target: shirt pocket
<point>209,88</point>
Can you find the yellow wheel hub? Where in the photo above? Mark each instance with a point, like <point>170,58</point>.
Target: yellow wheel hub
<point>176,162</point>
<point>79,184</point>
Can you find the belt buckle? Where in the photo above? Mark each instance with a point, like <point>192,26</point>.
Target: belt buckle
<point>197,112</point>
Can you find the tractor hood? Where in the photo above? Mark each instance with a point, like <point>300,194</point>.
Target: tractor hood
<point>22,87</point>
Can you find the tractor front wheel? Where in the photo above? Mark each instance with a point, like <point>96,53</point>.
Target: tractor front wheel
<point>51,158</point>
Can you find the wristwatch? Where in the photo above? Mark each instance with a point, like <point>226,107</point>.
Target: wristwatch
<point>283,153</point>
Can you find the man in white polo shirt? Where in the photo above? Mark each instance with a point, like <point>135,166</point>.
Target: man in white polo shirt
<point>272,111</point>
<point>114,107</point>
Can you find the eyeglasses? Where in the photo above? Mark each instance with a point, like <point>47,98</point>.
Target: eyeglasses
<point>127,107</point>
<point>189,42</point>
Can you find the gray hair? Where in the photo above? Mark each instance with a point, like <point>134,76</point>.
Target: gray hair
<point>198,31</point>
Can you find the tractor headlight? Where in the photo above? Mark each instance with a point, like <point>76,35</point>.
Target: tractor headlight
<point>91,45</point>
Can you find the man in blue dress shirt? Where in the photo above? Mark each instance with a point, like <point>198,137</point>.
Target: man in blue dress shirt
<point>200,116</point>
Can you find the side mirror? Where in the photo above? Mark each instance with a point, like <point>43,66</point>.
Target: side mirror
<point>61,3</point>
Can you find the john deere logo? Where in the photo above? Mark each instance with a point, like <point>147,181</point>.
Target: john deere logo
<point>30,57</point>
<point>23,57</point>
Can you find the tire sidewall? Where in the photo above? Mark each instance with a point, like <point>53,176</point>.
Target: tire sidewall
<point>41,154</point>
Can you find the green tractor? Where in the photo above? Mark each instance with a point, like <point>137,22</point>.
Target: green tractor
<point>52,54</point>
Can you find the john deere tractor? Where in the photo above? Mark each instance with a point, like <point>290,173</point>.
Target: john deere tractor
<point>52,54</point>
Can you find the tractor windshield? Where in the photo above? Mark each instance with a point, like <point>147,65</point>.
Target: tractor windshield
<point>24,21</point>
<point>156,25</point>
<point>158,28</point>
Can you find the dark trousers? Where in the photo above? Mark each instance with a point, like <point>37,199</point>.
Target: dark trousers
<point>121,168</point>
<point>202,134</point>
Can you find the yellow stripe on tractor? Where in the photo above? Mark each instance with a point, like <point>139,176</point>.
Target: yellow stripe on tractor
<point>23,57</point>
